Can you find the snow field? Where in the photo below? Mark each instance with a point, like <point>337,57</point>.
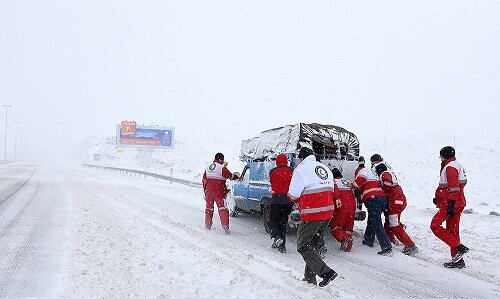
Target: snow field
<point>130,248</point>
<point>157,229</point>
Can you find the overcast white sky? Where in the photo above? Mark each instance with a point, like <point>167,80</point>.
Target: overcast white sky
<point>227,70</point>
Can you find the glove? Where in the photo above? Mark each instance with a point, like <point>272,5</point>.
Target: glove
<point>451,208</point>
<point>435,201</point>
<point>294,218</point>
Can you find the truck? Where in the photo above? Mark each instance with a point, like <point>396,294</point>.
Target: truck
<point>334,146</point>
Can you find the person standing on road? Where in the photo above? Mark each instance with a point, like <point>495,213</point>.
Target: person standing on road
<point>396,204</point>
<point>342,222</point>
<point>374,199</point>
<point>450,200</point>
<point>214,185</point>
<point>281,206</point>
<point>313,188</point>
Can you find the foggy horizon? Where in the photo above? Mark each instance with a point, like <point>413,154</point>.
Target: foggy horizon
<point>71,70</point>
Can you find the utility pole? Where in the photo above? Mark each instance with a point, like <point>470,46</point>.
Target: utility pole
<point>5,152</point>
<point>15,140</point>
<point>21,146</point>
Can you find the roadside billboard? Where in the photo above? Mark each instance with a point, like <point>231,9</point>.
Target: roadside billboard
<point>129,134</point>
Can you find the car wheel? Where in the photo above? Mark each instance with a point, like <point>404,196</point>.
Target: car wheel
<point>266,212</point>
<point>233,213</point>
<point>231,205</point>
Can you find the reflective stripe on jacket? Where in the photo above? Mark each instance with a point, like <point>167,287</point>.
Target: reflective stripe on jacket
<point>368,184</point>
<point>393,192</point>
<point>346,198</point>
<point>312,182</point>
<point>451,184</point>
<point>216,175</point>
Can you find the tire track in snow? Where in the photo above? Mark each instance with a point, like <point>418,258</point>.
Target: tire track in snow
<point>7,222</point>
<point>7,192</point>
<point>406,285</point>
<point>252,265</point>
<point>13,256</point>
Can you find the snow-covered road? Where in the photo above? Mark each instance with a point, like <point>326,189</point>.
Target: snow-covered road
<point>84,233</point>
<point>35,222</point>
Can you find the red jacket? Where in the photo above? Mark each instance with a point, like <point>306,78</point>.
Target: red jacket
<point>314,189</point>
<point>280,178</point>
<point>346,197</point>
<point>214,180</point>
<point>451,184</point>
<point>368,184</point>
<point>393,192</point>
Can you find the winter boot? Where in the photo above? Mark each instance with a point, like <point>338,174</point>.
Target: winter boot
<point>461,250</point>
<point>460,264</point>
<point>282,248</point>
<point>387,251</point>
<point>346,245</point>
<point>327,277</point>
<point>277,242</point>
<point>367,244</point>
<point>410,250</point>
<point>226,230</point>
<point>349,246</point>
<point>310,280</point>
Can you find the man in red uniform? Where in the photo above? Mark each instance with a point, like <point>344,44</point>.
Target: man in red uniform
<point>342,222</point>
<point>314,189</point>
<point>214,184</point>
<point>397,203</point>
<point>450,200</point>
<point>281,206</point>
<point>374,199</point>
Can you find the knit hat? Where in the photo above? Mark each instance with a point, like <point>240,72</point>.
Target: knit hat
<point>381,167</point>
<point>376,158</point>
<point>447,152</point>
<point>304,152</point>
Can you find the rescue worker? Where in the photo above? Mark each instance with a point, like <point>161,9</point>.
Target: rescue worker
<point>361,165</point>
<point>450,200</point>
<point>281,206</point>
<point>396,204</point>
<point>313,188</point>
<point>357,195</point>
<point>342,222</point>
<point>374,199</point>
<point>214,185</point>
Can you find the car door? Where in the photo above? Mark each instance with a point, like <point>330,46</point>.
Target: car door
<point>241,189</point>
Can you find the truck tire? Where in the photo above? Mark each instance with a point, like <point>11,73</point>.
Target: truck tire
<point>266,211</point>
<point>231,205</point>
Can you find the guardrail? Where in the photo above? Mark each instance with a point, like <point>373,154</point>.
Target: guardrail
<point>145,174</point>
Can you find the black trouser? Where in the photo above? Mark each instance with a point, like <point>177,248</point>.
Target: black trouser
<point>278,218</point>
<point>309,234</point>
